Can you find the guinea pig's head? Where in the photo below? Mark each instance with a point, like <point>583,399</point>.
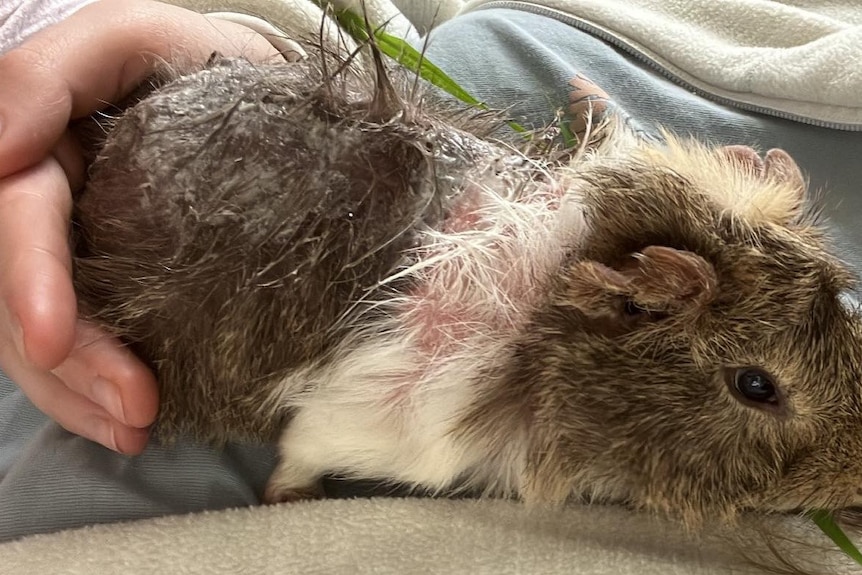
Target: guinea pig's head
<point>697,356</point>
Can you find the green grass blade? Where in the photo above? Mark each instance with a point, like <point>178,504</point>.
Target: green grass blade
<point>826,523</point>
<point>570,140</point>
<point>406,55</point>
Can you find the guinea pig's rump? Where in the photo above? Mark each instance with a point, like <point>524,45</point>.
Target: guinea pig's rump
<point>232,220</point>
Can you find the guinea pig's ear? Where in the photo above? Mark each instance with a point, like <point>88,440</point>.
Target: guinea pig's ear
<point>782,201</point>
<point>666,279</point>
<point>780,167</point>
<point>657,279</point>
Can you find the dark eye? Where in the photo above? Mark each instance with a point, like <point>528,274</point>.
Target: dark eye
<point>754,386</point>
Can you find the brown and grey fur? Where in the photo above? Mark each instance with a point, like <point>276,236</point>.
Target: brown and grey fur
<point>324,256</point>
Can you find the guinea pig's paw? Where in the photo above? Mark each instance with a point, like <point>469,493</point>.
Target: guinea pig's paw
<point>277,492</point>
<point>291,481</point>
<point>588,105</point>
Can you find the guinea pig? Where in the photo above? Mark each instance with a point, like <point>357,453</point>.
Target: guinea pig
<point>316,255</point>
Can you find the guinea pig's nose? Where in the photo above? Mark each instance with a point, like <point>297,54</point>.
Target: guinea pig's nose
<point>745,156</point>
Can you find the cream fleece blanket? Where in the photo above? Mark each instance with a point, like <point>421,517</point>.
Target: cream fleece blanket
<point>394,536</point>
<point>802,57</point>
<point>799,57</point>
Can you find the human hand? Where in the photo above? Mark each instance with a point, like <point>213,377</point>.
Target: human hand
<point>79,376</point>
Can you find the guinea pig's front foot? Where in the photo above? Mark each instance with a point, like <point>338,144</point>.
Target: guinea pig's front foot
<point>294,478</point>
<point>279,491</point>
<point>588,105</point>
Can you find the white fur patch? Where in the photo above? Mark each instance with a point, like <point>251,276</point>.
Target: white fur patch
<point>386,406</point>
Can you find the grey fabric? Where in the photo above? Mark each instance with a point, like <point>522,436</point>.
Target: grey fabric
<point>19,20</point>
<point>50,480</point>
<point>522,62</point>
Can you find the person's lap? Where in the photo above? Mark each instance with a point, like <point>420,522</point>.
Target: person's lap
<point>499,57</point>
<point>51,480</point>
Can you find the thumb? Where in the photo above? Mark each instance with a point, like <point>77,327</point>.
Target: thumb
<point>39,311</point>
<point>96,57</point>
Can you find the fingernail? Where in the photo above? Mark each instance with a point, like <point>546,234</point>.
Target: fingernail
<point>100,430</point>
<point>107,395</point>
<point>134,441</point>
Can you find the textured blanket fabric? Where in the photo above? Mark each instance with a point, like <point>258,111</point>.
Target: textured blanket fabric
<point>390,536</point>
<point>800,57</point>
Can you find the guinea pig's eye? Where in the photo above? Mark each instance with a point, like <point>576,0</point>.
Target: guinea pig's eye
<point>755,387</point>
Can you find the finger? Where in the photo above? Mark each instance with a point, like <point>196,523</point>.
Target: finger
<point>102,369</point>
<point>68,154</point>
<point>72,411</point>
<point>98,55</point>
<point>36,286</point>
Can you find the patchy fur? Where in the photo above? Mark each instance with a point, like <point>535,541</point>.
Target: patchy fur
<point>325,256</point>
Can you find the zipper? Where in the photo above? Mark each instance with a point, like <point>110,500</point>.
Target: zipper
<point>619,42</point>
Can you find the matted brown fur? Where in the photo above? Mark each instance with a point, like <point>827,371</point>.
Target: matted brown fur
<point>190,267</point>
